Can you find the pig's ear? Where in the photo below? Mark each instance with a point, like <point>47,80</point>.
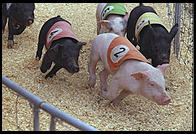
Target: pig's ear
<point>106,23</point>
<point>52,52</point>
<point>81,44</point>
<point>151,29</point>
<point>140,75</point>
<point>126,17</point>
<point>163,67</point>
<point>173,31</point>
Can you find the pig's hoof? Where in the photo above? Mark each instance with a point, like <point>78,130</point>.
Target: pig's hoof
<point>115,102</point>
<point>113,105</point>
<point>104,94</point>
<point>92,83</point>
<point>37,58</point>
<point>110,104</point>
<point>10,44</point>
<point>49,75</point>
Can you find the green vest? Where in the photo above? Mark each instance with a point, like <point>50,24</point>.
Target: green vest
<point>143,21</point>
<point>113,8</point>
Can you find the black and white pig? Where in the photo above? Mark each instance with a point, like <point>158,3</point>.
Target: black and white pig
<point>144,28</point>
<point>62,46</point>
<point>20,15</point>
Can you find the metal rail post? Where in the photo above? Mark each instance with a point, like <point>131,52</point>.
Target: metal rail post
<point>36,118</point>
<point>177,20</point>
<point>52,123</point>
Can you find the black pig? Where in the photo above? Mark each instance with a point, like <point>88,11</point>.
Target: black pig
<point>62,46</point>
<point>154,39</point>
<point>20,15</point>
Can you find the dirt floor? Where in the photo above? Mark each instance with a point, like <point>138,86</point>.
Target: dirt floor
<point>71,94</point>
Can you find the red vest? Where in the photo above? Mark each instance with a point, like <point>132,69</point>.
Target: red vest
<point>59,30</point>
<point>120,50</point>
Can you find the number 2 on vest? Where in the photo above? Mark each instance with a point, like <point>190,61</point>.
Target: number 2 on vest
<point>122,50</point>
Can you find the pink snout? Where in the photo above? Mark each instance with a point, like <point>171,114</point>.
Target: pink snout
<point>166,101</point>
<point>30,21</point>
<point>162,99</point>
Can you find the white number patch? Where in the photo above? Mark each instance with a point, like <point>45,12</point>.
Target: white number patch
<point>141,23</point>
<point>118,53</point>
<point>106,10</point>
<point>53,33</point>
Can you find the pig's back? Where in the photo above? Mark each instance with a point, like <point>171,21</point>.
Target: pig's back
<point>101,45</point>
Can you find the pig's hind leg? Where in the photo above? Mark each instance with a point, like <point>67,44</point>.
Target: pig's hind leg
<point>103,78</point>
<point>94,58</point>
<point>10,43</point>
<point>40,45</point>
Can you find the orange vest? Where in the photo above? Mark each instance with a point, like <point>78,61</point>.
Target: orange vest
<point>59,30</point>
<point>120,50</point>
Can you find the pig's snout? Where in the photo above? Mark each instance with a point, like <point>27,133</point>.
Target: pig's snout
<point>164,58</point>
<point>72,67</point>
<point>30,21</point>
<point>166,101</point>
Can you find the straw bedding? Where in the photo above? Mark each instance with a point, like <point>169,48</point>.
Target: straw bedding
<point>71,94</point>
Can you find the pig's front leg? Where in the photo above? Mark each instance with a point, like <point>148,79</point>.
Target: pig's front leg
<point>98,28</point>
<point>124,93</point>
<point>112,92</point>
<point>53,71</point>
<point>46,63</point>
<point>98,24</point>
<point>103,78</point>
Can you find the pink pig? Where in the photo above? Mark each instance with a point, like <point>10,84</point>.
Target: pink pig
<point>131,77</point>
<point>111,17</point>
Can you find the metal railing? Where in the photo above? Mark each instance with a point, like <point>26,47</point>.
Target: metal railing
<point>40,104</point>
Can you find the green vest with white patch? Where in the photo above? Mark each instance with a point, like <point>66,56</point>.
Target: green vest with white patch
<point>113,8</point>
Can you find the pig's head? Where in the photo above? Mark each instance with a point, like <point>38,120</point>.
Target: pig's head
<point>161,44</point>
<point>152,85</point>
<point>117,25</point>
<point>65,54</point>
<point>22,13</point>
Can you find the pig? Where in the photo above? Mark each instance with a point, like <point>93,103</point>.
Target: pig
<point>4,16</point>
<point>19,15</point>
<point>111,17</point>
<point>62,46</point>
<point>145,29</point>
<point>131,75</point>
